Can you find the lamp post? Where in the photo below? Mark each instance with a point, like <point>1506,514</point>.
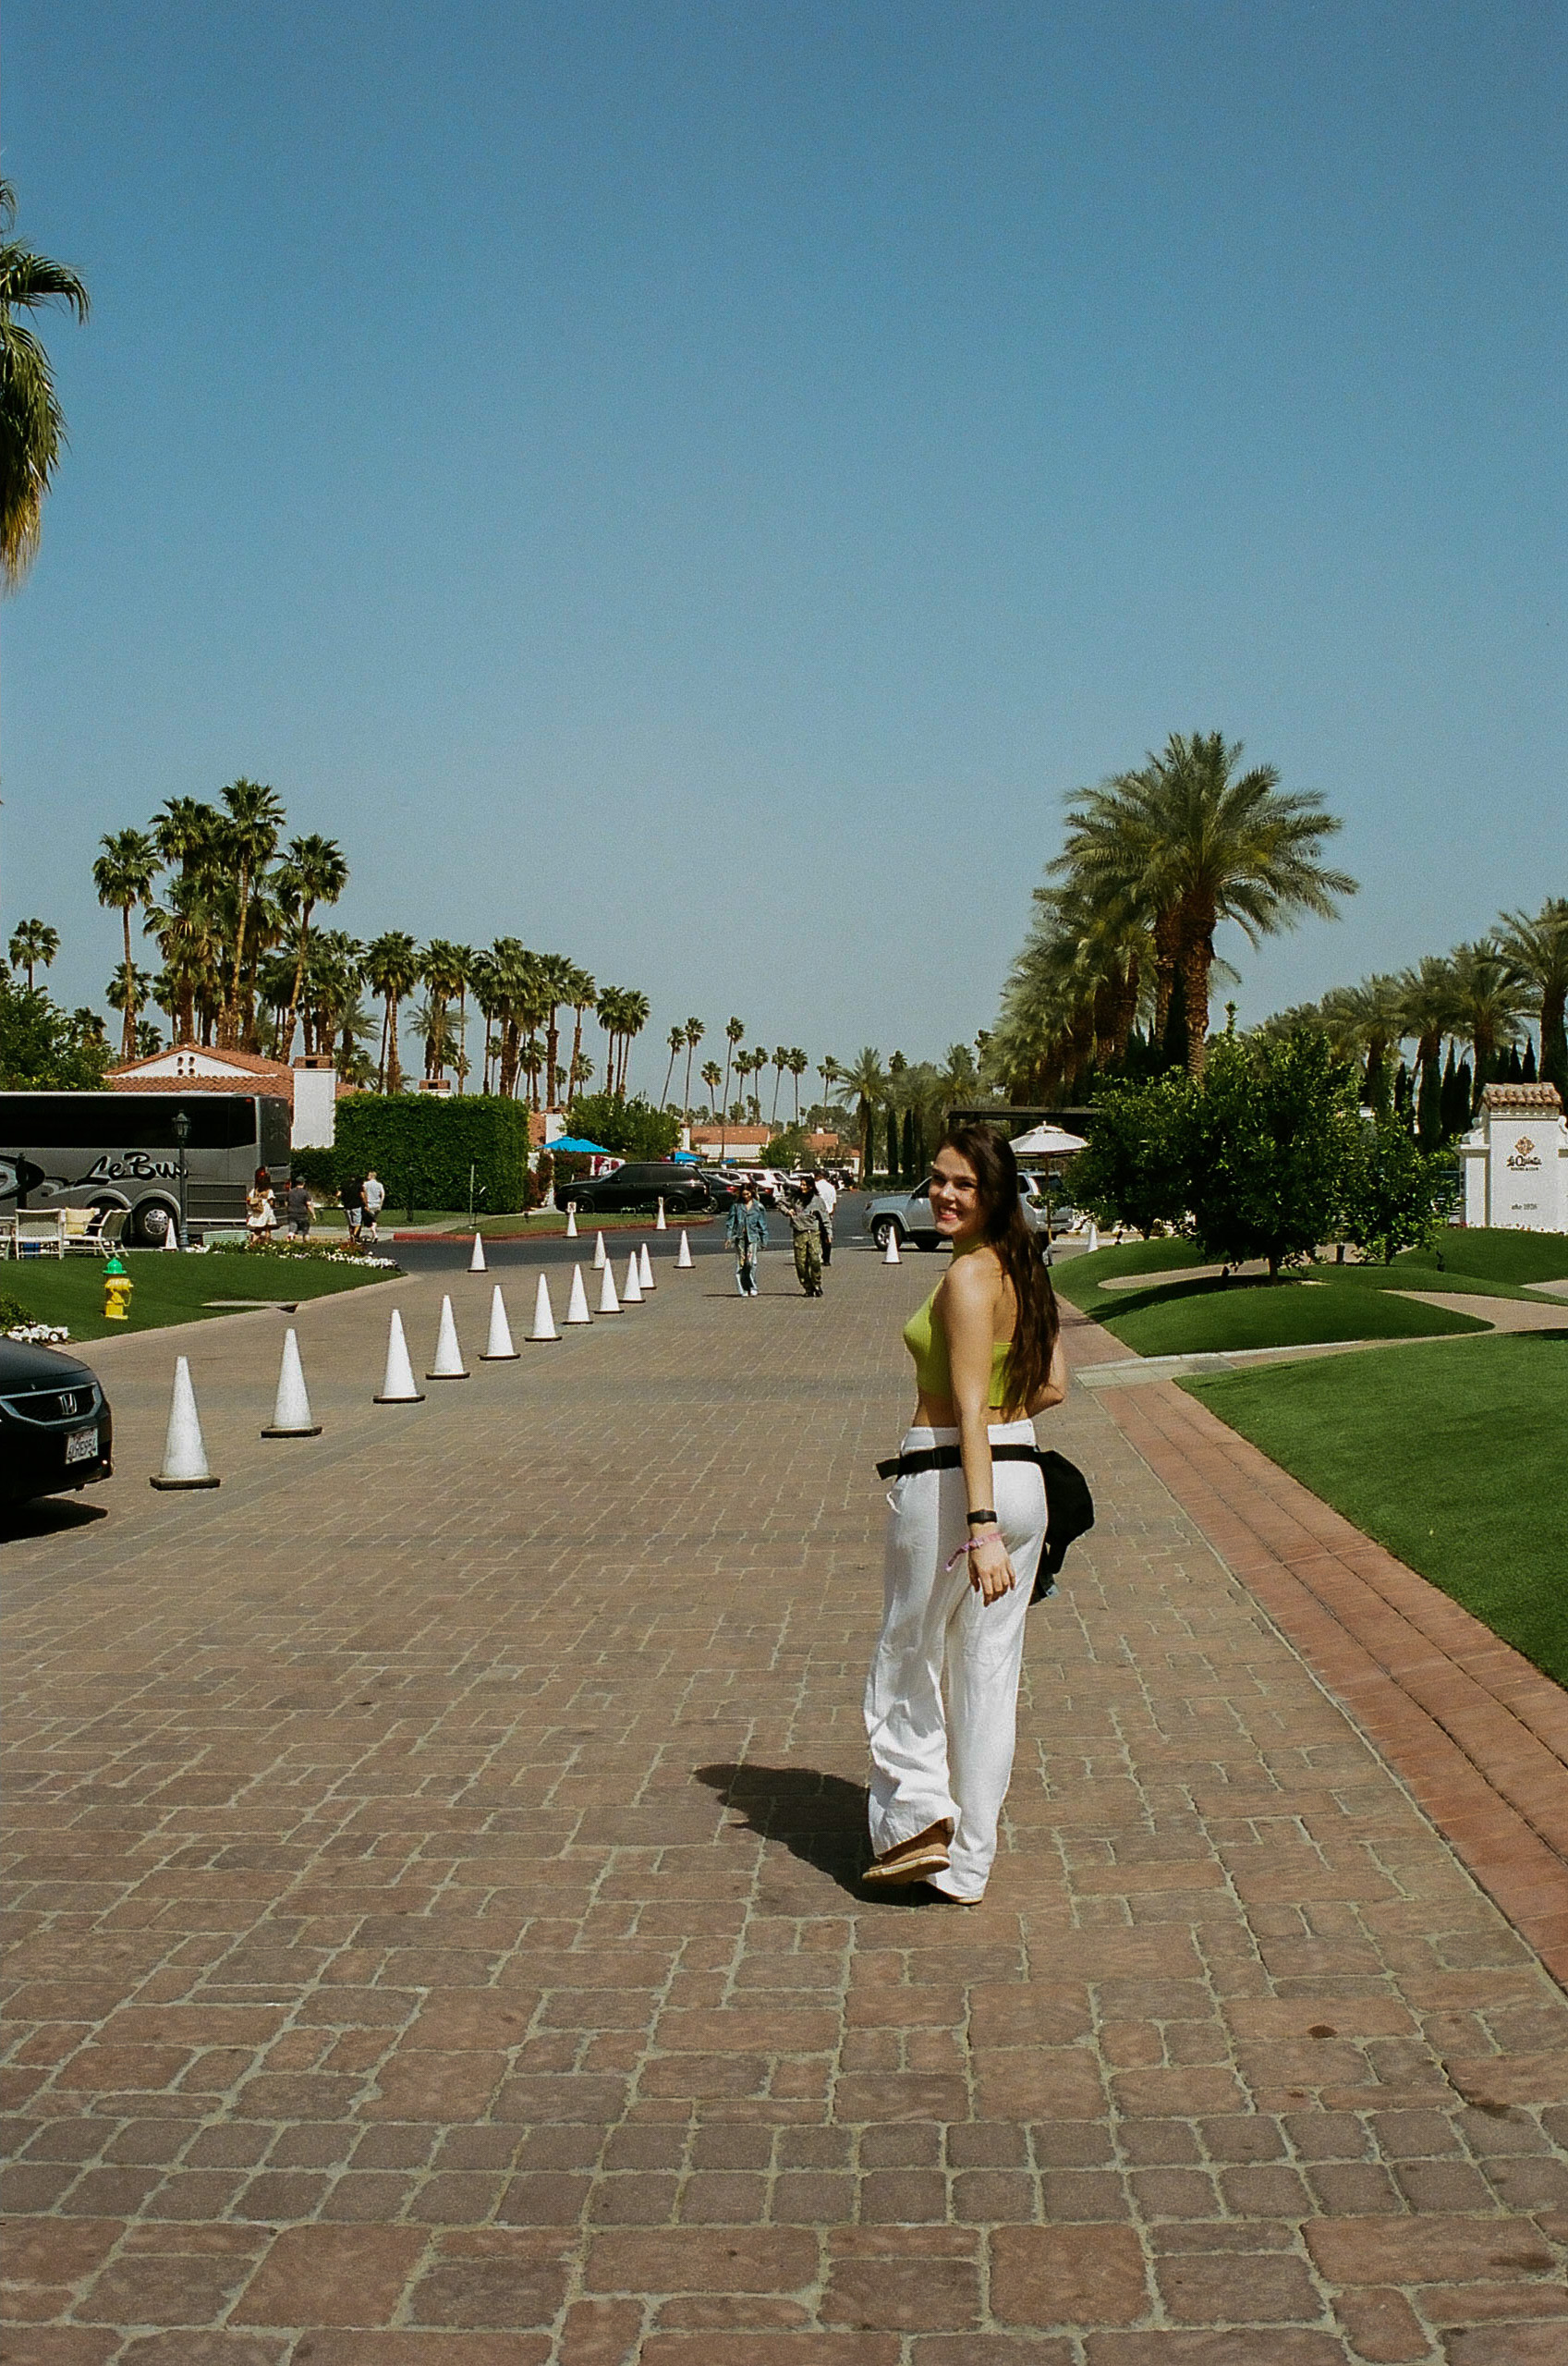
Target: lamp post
<point>182,1134</point>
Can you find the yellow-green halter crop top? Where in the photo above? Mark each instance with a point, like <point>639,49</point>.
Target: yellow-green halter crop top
<point>927,1342</point>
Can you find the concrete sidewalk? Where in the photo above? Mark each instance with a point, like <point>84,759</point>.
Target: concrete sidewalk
<point>439,1941</point>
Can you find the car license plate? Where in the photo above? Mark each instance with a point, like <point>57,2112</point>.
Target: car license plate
<point>82,1446</point>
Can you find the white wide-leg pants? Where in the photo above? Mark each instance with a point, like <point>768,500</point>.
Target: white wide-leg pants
<point>932,1763</point>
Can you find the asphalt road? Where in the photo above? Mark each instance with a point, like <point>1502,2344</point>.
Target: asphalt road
<point>449,1252</point>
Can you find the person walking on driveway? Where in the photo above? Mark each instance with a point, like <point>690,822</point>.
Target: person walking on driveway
<point>298,1205</point>
<point>746,1232</point>
<point>352,1199</point>
<point>826,1196</point>
<point>804,1211</point>
<point>965,1536</point>
<point>375,1191</point>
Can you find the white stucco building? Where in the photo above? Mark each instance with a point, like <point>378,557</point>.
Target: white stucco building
<point>1516,1160</point>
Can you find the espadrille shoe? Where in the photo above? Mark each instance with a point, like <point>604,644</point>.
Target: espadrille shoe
<point>911,1860</point>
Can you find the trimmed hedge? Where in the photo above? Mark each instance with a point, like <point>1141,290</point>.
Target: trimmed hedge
<point>423,1147</point>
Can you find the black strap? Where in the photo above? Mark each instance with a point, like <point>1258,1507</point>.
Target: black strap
<point>1068,1500</point>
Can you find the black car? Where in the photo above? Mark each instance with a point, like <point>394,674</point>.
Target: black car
<point>640,1184</point>
<point>56,1428</point>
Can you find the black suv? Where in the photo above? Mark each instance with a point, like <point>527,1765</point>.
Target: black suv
<point>640,1185</point>
<point>56,1431</point>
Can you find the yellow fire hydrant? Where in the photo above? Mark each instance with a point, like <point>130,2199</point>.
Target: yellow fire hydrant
<point>118,1287</point>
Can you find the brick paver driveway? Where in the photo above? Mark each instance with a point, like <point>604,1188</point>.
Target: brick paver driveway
<point>439,1943</point>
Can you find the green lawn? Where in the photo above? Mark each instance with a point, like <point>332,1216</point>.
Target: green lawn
<point>1212,1317</point>
<point>1490,1257</point>
<point>1450,1456</point>
<point>169,1289</point>
<point>1206,1316</point>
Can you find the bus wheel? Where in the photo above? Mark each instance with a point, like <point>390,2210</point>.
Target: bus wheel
<point>150,1224</point>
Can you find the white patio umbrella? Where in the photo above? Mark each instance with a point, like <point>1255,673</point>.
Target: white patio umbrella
<point>1047,1141</point>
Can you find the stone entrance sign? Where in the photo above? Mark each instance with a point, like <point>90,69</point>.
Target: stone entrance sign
<point>1516,1160</point>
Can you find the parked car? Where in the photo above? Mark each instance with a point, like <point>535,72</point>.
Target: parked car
<point>56,1432</point>
<point>908,1214</point>
<point>640,1184</point>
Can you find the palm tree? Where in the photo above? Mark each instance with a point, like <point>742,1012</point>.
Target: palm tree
<point>674,1039</point>
<point>695,1031</point>
<point>33,941</point>
<point>32,427</point>
<point>391,970</point>
<point>1535,953</point>
<point>123,875</point>
<point>798,1065</point>
<point>509,982</point>
<point>868,1080</point>
<point>557,983</point>
<point>636,1010</point>
<point>1490,1001</point>
<point>186,832</point>
<point>253,821</point>
<point>1183,843</point>
<point>780,1062</point>
<point>128,992</point>
<point>444,968</point>
<point>581,996</point>
<point>735,1035</point>
<point>314,871</point>
<point>711,1073</point>
<point>1368,1020</point>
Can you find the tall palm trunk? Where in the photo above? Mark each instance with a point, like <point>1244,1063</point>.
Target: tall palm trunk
<point>1197,959</point>
<point>128,1033</point>
<point>393,1068</point>
<point>1167,948</point>
<point>287,1052</point>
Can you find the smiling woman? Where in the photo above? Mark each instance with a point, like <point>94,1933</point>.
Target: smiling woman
<point>966,1537</point>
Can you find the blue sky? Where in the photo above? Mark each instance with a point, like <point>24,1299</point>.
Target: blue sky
<point>692,485</point>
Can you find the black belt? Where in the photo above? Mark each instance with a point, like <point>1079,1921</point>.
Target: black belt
<point>1068,1502</point>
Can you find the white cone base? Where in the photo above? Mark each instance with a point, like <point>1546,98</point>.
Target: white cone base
<point>181,1486</point>
<point>417,1399</point>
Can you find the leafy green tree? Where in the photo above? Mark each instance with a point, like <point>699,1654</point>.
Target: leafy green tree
<point>631,1129</point>
<point>1268,1140</point>
<point>44,1050</point>
<point>1133,1171</point>
<point>32,428</point>
<point>33,945</point>
<point>1392,1192</point>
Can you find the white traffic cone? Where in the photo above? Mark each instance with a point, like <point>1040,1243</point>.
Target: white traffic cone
<point>598,1252</point>
<point>171,1237</point>
<point>571,1219</point>
<point>448,1364</point>
<point>577,1306</point>
<point>291,1412</point>
<point>543,1313</point>
<point>890,1255</point>
<point>498,1348</point>
<point>185,1454</point>
<point>1092,1243</point>
<point>398,1386</point>
<point>645,1270</point>
<point>476,1263</point>
<point>682,1256</point>
<point>659,1223</point>
<point>631,1288</point>
<point>608,1302</point>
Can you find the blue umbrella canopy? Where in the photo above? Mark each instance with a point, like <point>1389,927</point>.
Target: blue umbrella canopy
<point>576,1141</point>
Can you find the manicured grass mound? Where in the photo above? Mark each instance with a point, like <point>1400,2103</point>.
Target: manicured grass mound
<point>1081,1279</point>
<point>1450,1456</point>
<point>170,1290</point>
<point>1213,1317</point>
<point>1489,1256</point>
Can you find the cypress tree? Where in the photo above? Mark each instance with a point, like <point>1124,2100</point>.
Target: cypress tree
<point>1528,1073</point>
<point>1428,1106</point>
<point>1402,1091</point>
<point>922,1159</point>
<point>893,1145</point>
<point>909,1176</point>
<point>1455,1118</point>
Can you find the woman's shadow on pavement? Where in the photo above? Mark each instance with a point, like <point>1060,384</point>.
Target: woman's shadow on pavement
<point>818,1818</point>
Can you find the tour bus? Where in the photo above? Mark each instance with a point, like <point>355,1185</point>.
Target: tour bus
<point>120,1151</point>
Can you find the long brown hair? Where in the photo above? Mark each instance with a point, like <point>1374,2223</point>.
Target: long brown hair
<point>1004,1228</point>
